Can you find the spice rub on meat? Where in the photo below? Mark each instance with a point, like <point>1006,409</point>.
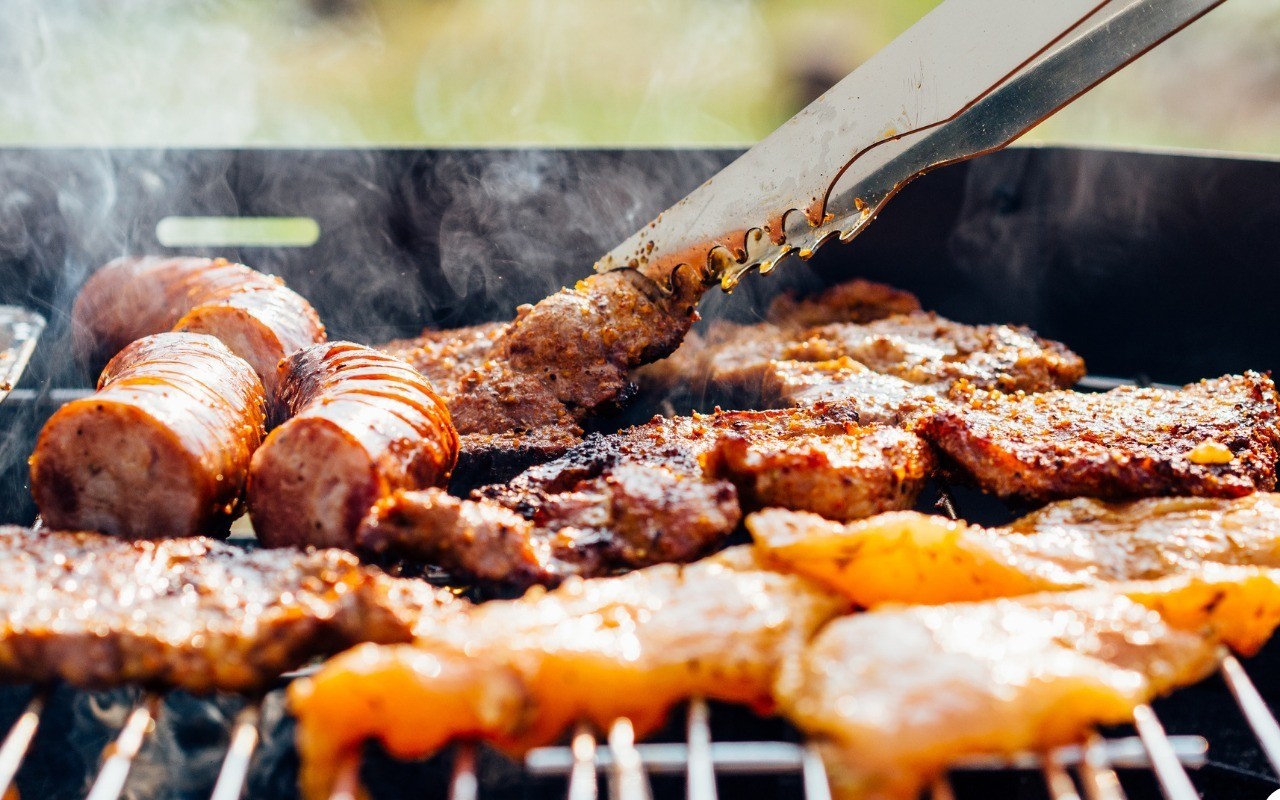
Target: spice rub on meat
<point>867,344</point>
<point>671,489</point>
<point>907,557</point>
<point>1215,438</point>
<point>893,696</point>
<point>519,673</point>
<point>558,361</point>
<point>192,613</point>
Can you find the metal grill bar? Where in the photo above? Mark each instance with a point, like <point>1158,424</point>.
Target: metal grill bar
<point>1100,780</point>
<point>776,758</point>
<point>235,767</point>
<point>1058,782</point>
<point>814,773</point>
<point>1255,710</point>
<point>941,789</point>
<point>1164,760</point>
<point>115,769</point>
<point>464,785</point>
<point>582,778</point>
<point>627,778</point>
<point>701,781</point>
<point>346,781</point>
<point>16,744</point>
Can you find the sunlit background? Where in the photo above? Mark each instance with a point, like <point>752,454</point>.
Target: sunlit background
<point>560,72</point>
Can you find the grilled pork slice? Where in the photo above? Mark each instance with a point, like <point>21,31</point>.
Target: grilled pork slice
<point>668,490</point>
<point>867,344</point>
<point>253,314</point>
<point>908,557</point>
<point>362,425</point>
<point>190,613</point>
<point>894,696</point>
<point>1215,438</point>
<point>161,449</point>
<point>518,673</point>
<point>558,361</point>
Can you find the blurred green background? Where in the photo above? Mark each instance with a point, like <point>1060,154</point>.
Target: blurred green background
<point>563,72</point>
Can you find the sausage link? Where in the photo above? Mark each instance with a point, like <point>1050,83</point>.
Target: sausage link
<point>256,315</point>
<point>364,424</point>
<point>162,448</point>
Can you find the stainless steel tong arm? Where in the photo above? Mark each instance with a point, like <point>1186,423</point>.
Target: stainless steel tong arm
<point>968,78</point>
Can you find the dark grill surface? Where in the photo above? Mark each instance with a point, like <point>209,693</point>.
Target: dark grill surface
<point>1153,267</point>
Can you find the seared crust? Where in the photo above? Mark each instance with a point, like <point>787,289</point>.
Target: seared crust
<point>161,449</point>
<point>866,344</point>
<point>255,315</point>
<point>669,490</point>
<point>196,614</point>
<point>1128,442</point>
<point>486,458</point>
<point>842,477</point>
<point>363,424</point>
<point>559,361</point>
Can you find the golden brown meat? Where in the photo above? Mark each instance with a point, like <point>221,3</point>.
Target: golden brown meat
<point>896,695</point>
<point>558,361</point>
<point>843,477</point>
<point>362,425</point>
<point>161,449</point>
<point>253,314</point>
<point>1214,438</point>
<point>668,490</point>
<point>192,613</point>
<point>906,557</point>
<point>865,344</point>
<point>519,673</point>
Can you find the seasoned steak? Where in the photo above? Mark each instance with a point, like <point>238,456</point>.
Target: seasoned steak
<point>863,343</point>
<point>558,361</point>
<point>668,490</point>
<point>1215,438</point>
<point>519,673</point>
<point>193,613</point>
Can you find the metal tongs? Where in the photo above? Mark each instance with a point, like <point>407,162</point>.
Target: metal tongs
<point>969,78</point>
<point>19,331</point>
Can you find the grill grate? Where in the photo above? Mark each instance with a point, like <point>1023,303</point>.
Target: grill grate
<point>699,758</point>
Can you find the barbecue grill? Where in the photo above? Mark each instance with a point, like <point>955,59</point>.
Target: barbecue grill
<point>1153,266</point>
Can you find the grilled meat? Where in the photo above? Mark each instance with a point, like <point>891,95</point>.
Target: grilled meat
<point>161,449</point>
<point>865,344</point>
<point>906,557</point>
<point>843,477</point>
<point>362,425</point>
<point>253,314</point>
<point>896,695</point>
<point>1214,438</point>
<point>518,673</point>
<point>558,361</point>
<point>192,613</point>
<point>486,458</point>
<point>668,490</point>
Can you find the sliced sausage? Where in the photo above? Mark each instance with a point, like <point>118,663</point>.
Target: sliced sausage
<point>161,449</point>
<point>256,315</point>
<point>364,424</point>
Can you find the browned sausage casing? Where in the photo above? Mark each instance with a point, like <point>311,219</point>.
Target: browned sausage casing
<point>161,449</point>
<point>364,424</point>
<point>256,315</point>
